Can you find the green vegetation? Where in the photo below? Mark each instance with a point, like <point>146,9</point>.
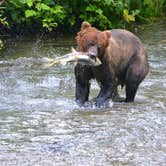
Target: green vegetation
<point>67,15</point>
<point>1,44</point>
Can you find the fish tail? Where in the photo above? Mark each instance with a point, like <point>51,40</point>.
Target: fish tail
<point>73,50</point>
<point>49,64</point>
<point>75,56</point>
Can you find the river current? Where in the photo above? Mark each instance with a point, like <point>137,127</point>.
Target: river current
<point>40,123</point>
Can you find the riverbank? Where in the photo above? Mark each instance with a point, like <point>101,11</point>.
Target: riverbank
<point>42,34</point>
<point>43,16</point>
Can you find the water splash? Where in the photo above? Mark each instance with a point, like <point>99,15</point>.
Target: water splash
<point>39,117</point>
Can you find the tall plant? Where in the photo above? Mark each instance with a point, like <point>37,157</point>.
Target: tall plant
<point>50,14</point>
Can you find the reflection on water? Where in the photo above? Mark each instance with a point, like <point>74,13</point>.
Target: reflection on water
<point>40,124</point>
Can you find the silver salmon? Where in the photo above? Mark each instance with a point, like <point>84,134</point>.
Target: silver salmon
<point>74,56</point>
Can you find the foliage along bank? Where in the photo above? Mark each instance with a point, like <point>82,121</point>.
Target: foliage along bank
<point>67,15</point>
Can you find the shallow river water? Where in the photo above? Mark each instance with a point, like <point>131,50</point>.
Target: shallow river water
<point>41,125</point>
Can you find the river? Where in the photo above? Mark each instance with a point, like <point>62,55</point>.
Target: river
<point>41,125</point>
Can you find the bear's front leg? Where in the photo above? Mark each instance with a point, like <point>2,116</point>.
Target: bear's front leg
<point>106,93</point>
<point>82,92</point>
<point>83,75</point>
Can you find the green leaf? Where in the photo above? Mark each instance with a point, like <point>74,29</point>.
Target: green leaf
<point>1,44</point>
<point>49,24</point>
<point>99,11</point>
<point>4,22</point>
<point>148,2</point>
<point>135,12</point>
<point>90,8</point>
<point>38,6</point>
<point>44,6</point>
<point>128,17</point>
<point>29,3</point>
<point>57,10</point>
<point>109,2</point>
<point>30,13</point>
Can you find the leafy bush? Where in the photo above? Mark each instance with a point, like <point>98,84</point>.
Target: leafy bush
<point>43,13</point>
<point>50,14</point>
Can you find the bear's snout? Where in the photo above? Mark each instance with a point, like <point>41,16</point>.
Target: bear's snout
<point>92,52</point>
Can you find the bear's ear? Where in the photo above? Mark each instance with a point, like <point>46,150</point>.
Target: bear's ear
<point>85,25</point>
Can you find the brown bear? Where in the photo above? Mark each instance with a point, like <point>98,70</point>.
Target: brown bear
<point>123,58</point>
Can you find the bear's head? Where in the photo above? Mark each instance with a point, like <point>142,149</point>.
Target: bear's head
<point>92,41</point>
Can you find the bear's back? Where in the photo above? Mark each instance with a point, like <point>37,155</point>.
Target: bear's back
<point>124,37</point>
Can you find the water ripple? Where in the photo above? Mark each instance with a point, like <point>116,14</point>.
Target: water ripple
<point>39,117</point>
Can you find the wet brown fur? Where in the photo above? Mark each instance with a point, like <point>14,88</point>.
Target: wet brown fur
<point>123,58</point>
